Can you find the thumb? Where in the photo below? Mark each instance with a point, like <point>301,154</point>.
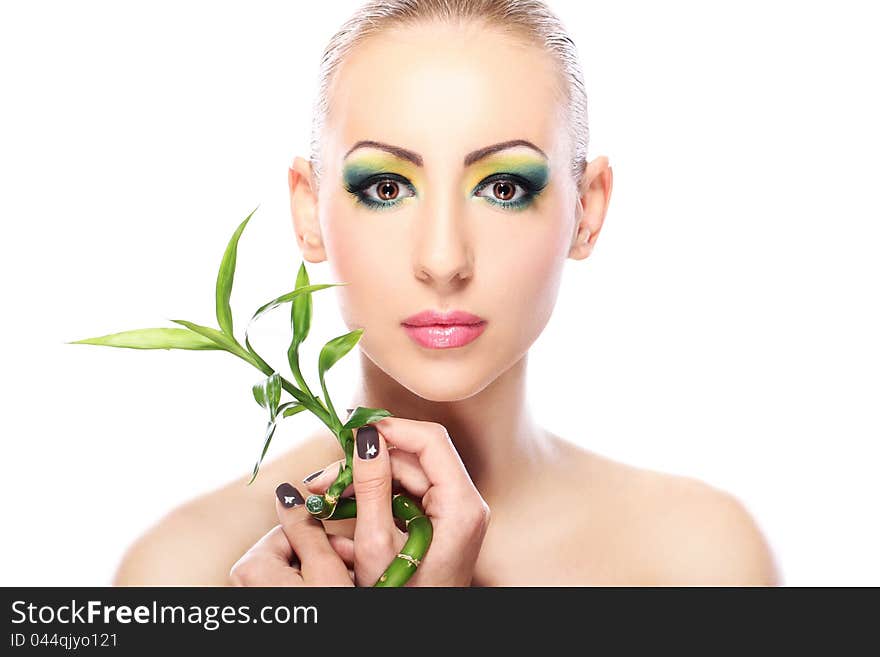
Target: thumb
<point>372,487</point>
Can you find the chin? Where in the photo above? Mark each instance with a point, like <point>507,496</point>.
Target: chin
<point>441,391</point>
<point>436,376</point>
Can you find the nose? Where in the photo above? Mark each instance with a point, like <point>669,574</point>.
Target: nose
<point>443,254</point>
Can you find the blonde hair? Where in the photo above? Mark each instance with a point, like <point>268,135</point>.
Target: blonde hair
<point>528,19</point>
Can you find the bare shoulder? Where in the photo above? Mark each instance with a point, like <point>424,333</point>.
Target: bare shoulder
<point>681,531</point>
<point>704,535</point>
<point>198,542</point>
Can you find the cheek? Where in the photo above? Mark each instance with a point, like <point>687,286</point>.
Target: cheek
<point>362,250</point>
<point>522,267</point>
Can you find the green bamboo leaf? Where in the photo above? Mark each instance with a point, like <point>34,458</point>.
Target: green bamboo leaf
<point>262,365</point>
<point>270,431</point>
<point>153,338</point>
<point>285,410</point>
<point>330,354</point>
<point>259,390</point>
<point>222,340</point>
<point>290,296</point>
<point>268,393</point>
<point>301,310</point>
<point>290,408</point>
<point>363,415</point>
<point>300,321</point>
<point>273,393</point>
<point>336,349</point>
<point>225,278</point>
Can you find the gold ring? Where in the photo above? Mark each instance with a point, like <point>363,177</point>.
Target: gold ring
<point>412,560</point>
<point>409,520</point>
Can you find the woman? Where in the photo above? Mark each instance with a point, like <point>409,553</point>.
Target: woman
<point>448,176</point>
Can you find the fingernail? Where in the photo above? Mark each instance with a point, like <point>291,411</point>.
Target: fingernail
<point>367,442</point>
<point>289,495</point>
<point>312,476</point>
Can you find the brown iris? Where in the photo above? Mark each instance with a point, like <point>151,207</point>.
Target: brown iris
<point>504,190</point>
<point>387,190</point>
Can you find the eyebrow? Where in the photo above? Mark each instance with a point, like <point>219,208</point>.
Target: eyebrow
<point>469,159</point>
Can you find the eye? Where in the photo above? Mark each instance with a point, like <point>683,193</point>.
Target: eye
<point>383,191</point>
<point>506,190</point>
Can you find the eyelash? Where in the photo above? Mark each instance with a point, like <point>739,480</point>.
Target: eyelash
<point>530,191</point>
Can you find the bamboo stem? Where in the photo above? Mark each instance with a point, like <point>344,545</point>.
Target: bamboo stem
<point>418,527</point>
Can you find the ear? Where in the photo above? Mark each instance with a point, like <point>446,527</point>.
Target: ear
<point>594,194</point>
<point>304,210</point>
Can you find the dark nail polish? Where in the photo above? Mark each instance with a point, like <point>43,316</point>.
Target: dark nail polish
<point>367,442</point>
<point>289,495</point>
<point>313,476</point>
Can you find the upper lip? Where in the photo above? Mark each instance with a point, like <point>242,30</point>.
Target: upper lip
<point>435,317</point>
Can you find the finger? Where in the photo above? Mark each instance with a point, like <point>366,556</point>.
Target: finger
<point>432,444</point>
<point>267,563</point>
<point>372,490</point>
<point>307,537</point>
<point>318,482</point>
<point>274,546</point>
<point>344,547</point>
<point>405,469</point>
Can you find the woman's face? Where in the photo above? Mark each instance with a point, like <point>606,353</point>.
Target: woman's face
<point>456,229</point>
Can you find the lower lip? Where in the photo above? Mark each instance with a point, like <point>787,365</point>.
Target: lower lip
<point>445,336</point>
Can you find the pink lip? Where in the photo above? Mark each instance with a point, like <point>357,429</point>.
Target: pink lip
<point>434,317</point>
<point>437,330</point>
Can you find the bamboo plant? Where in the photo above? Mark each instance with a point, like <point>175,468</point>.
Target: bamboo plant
<point>268,392</point>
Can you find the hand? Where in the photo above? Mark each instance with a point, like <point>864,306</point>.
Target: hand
<point>424,460</point>
<point>296,552</point>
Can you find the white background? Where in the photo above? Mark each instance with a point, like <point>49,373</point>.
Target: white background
<point>726,326</point>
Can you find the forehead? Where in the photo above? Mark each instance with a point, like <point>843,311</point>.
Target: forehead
<point>437,88</point>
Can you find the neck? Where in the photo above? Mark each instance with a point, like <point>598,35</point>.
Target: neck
<point>493,431</point>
